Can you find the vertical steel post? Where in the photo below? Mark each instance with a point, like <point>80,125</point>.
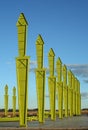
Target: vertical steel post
<point>52,84</point>
<point>70,93</point>
<point>6,100</point>
<point>65,90</point>
<point>59,87</point>
<point>74,94</point>
<point>22,68</point>
<point>76,89</point>
<point>40,78</point>
<point>14,101</point>
<point>79,99</point>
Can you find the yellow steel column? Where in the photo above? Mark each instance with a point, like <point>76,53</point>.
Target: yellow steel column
<point>6,100</point>
<point>59,69</point>
<point>79,99</point>
<point>59,87</point>
<point>52,84</point>
<point>80,105</point>
<point>65,90</point>
<point>40,78</point>
<point>70,98</point>
<point>74,94</point>
<point>22,68</point>
<point>14,101</point>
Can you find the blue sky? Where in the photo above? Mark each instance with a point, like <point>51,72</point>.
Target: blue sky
<point>63,25</point>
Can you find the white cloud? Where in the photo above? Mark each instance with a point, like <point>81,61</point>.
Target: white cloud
<point>85,80</point>
<point>32,66</point>
<point>33,62</point>
<point>80,70</point>
<point>84,95</point>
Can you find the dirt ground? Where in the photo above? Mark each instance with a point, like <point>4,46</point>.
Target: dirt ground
<point>70,123</point>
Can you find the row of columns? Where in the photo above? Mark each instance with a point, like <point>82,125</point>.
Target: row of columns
<point>13,100</point>
<point>65,91</point>
<point>66,85</point>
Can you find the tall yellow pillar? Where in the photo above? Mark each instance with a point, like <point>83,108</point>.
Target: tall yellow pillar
<point>52,84</point>
<point>74,94</point>
<point>22,68</point>
<point>80,104</point>
<point>6,100</point>
<point>59,87</point>
<point>76,89</point>
<point>14,101</point>
<point>79,99</point>
<point>70,93</point>
<point>40,78</point>
<point>65,90</point>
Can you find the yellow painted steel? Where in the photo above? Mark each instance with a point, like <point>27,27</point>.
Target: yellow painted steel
<point>52,93</point>
<point>76,89</point>
<point>60,98</point>
<point>22,34</point>
<point>40,79</point>
<point>14,101</point>
<point>51,56</point>
<point>22,80</point>
<point>59,87</point>
<point>79,111</point>
<point>70,93</point>
<point>52,84</point>
<point>71,96</point>
<point>77,98</point>
<point>40,85</point>
<point>74,94</point>
<point>22,68</point>
<point>65,90</point>
<point>79,101</point>
<point>6,100</point>
<point>80,104</point>
<point>59,69</point>
<point>39,51</point>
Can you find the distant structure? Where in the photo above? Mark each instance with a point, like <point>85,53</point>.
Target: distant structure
<point>6,100</point>
<point>14,101</point>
